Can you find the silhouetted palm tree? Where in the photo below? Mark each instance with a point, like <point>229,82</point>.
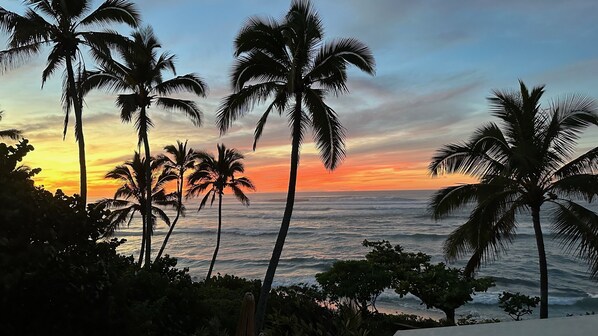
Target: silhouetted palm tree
<point>14,134</point>
<point>214,176</point>
<point>521,166</point>
<point>139,72</point>
<point>130,198</point>
<point>289,62</point>
<point>179,160</point>
<point>63,25</point>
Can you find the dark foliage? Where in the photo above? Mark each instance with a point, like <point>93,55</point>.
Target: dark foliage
<point>517,304</point>
<point>58,277</point>
<point>387,266</point>
<point>360,281</point>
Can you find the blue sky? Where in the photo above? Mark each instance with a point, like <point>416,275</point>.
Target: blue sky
<point>437,61</point>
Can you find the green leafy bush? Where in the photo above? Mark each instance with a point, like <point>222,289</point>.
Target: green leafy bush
<point>517,305</point>
<point>359,281</point>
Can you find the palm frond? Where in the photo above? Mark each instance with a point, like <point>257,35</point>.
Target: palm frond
<point>161,214</point>
<point>568,118</point>
<point>237,104</point>
<point>186,83</point>
<point>101,42</point>
<point>263,34</point>
<point>204,200</point>
<point>279,103</point>
<point>487,232</point>
<point>113,11</point>
<point>55,59</point>
<point>329,134</point>
<point>189,107</point>
<point>584,186</point>
<point>586,163</point>
<point>257,66</point>
<point>332,59</point>
<point>240,195</point>
<point>244,182</point>
<point>30,28</point>
<point>102,80</point>
<point>577,227</point>
<point>13,134</point>
<point>445,201</point>
<point>128,105</point>
<point>14,57</point>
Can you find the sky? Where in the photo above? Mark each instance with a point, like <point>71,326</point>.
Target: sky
<point>437,62</point>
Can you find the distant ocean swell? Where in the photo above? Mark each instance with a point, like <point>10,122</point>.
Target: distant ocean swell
<point>313,231</point>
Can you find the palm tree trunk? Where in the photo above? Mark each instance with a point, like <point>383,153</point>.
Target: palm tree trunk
<point>142,250</point>
<point>78,107</point>
<point>178,213</point>
<point>218,237</point>
<point>542,262</point>
<point>286,220</point>
<point>148,191</point>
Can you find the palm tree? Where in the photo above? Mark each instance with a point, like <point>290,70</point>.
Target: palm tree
<point>214,176</point>
<point>130,198</point>
<point>139,72</point>
<point>289,62</point>
<point>521,166</point>
<point>179,161</point>
<point>63,25</point>
<point>13,134</point>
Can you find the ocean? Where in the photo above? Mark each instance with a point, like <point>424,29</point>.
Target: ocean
<point>330,226</point>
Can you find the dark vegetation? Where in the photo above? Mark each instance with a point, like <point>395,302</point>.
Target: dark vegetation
<point>60,275</point>
<point>517,305</point>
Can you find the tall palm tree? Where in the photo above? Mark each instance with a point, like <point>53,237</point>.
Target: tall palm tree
<point>14,134</point>
<point>179,160</point>
<point>289,62</point>
<point>130,197</point>
<point>214,176</point>
<point>139,72</point>
<point>63,26</point>
<point>521,164</point>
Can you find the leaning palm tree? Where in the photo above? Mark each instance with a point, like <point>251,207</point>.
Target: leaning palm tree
<point>214,176</point>
<point>289,62</point>
<point>13,134</point>
<point>521,166</point>
<point>179,160</point>
<point>63,26</point>
<point>130,198</point>
<point>139,72</point>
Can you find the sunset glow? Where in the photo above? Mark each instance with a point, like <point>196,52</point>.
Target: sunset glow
<point>434,71</point>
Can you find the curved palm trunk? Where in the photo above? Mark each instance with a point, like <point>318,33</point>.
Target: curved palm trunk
<point>178,213</point>
<point>284,226</point>
<point>148,191</point>
<point>217,239</point>
<point>142,250</point>
<point>542,262</point>
<point>78,130</point>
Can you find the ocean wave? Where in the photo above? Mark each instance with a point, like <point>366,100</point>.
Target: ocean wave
<point>432,236</point>
<point>238,232</point>
<point>491,299</point>
<point>515,281</point>
<point>283,200</point>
